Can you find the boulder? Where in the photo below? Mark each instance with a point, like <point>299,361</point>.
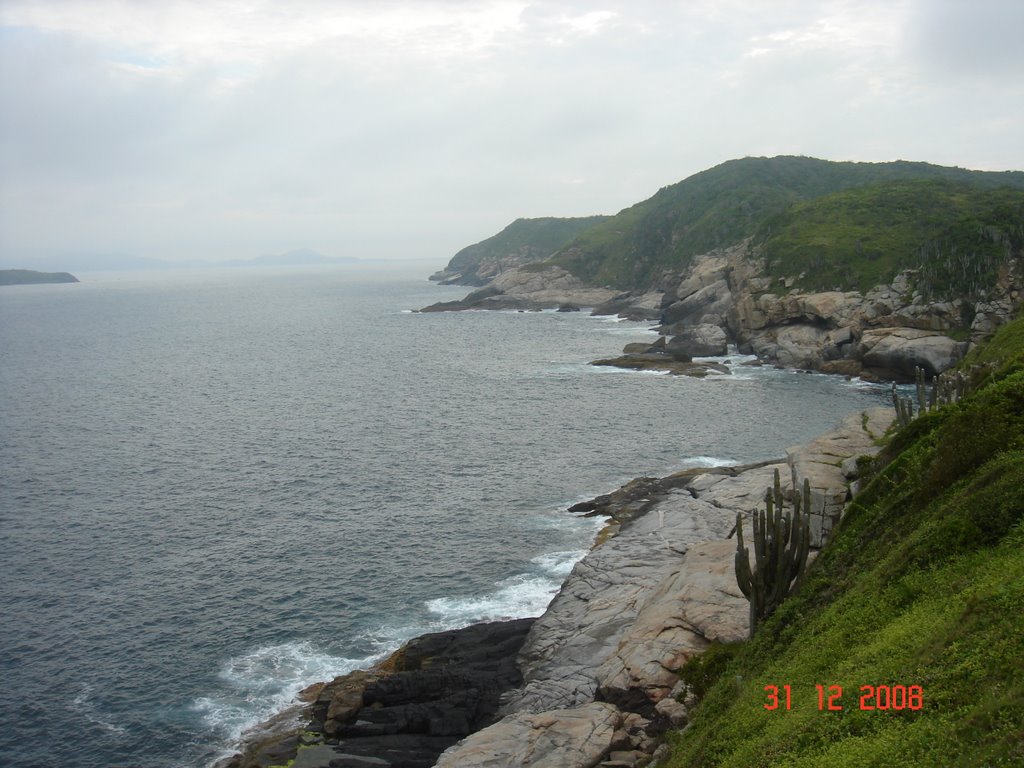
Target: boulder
<point>633,306</point>
<point>698,341</point>
<point>897,352</point>
<point>711,300</point>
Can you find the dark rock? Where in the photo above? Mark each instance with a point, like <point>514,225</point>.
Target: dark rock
<point>636,348</point>
<point>661,362</point>
<point>568,308</point>
<point>699,341</point>
<point>472,301</point>
<point>434,691</point>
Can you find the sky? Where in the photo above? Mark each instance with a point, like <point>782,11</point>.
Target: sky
<point>227,129</point>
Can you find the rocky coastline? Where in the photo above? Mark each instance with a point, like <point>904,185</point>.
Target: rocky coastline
<point>592,682</point>
<point>727,297</point>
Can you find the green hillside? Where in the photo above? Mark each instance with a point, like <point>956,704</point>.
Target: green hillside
<point>725,204</point>
<point>922,588</point>
<point>524,241</point>
<point>957,234</point>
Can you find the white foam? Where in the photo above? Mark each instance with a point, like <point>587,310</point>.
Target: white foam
<point>559,563</point>
<point>265,681</point>
<point>707,461</point>
<point>517,597</point>
<point>84,706</point>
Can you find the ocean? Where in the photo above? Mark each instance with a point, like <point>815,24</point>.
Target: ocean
<point>219,486</point>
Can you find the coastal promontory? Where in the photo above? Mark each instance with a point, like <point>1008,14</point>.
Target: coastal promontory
<point>32,277</point>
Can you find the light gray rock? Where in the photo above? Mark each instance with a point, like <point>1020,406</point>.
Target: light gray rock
<point>897,352</point>
<point>569,738</point>
<point>714,299</point>
<point>641,603</point>
<point>821,461</point>
<point>601,598</point>
<point>697,603</point>
<point>551,287</point>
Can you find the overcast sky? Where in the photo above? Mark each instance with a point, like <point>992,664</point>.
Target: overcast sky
<point>207,129</point>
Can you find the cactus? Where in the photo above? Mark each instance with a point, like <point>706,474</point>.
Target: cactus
<point>904,407</point>
<point>781,542</point>
<point>922,402</point>
<point>947,388</point>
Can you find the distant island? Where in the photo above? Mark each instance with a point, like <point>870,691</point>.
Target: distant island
<point>30,277</point>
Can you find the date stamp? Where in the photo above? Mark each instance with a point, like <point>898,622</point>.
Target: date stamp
<point>870,697</point>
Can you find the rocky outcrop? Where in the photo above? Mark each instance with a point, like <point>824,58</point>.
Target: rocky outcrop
<point>675,357</point>
<point>633,306</point>
<point>436,690</point>
<point>592,682</point>
<point>895,353</point>
<point>885,333</point>
<point>644,601</point>
<point>703,340</point>
<point>529,288</point>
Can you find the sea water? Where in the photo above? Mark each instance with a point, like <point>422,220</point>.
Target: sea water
<point>220,486</point>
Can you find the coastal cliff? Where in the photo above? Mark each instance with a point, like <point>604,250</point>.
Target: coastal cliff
<point>725,296</point>
<point>861,269</point>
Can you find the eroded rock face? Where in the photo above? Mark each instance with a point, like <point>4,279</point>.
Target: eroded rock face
<point>823,330</point>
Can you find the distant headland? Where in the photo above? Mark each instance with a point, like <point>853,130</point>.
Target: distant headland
<point>30,276</point>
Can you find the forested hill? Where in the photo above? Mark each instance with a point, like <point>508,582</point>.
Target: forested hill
<point>521,242</point>
<point>738,199</point>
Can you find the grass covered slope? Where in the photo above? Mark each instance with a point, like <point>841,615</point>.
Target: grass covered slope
<point>723,205</point>
<point>923,585</point>
<point>957,234</point>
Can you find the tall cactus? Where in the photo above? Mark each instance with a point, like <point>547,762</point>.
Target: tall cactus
<point>781,543</point>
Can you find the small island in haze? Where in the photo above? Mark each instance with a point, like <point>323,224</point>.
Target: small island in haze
<point>30,276</point>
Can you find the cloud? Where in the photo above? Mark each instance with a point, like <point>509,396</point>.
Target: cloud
<point>228,129</point>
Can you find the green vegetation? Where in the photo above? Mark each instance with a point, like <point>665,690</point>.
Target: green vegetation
<point>523,241</point>
<point>724,205</point>
<point>781,542</point>
<point>957,235</point>
<point>29,276</point>
<point>921,590</point>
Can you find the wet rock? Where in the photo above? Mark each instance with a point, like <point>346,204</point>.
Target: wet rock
<point>434,691</point>
<point>661,362</point>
